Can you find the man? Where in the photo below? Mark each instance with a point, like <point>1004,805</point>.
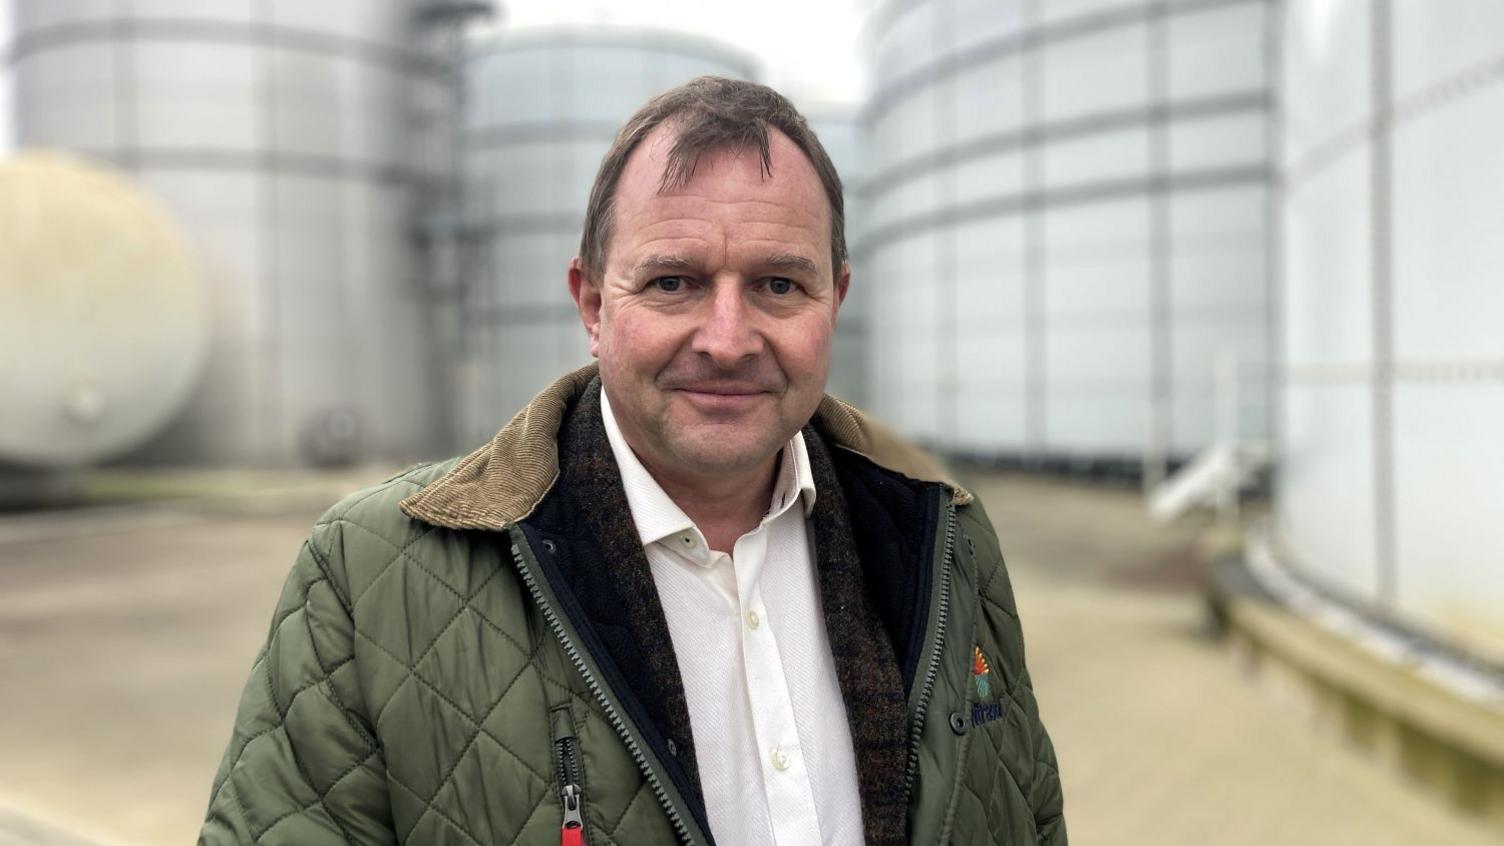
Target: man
<point>681,598</point>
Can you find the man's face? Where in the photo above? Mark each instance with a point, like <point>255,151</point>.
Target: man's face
<point>713,315</point>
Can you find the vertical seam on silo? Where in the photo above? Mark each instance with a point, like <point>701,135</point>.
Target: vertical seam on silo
<point>1161,317</point>
<point>1035,374</point>
<point>127,130</point>
<point>1381,246</point>
<point>565,87</point>
<point>270,371</point>
<point>948,290</point>
<point>1275,383</point>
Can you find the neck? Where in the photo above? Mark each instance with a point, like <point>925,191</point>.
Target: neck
<point>723,506</point>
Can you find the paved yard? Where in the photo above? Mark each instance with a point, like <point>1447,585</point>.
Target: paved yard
<point>1161,739</point>
<point>124,642</point>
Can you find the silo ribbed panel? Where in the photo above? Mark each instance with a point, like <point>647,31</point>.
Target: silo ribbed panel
<point>282,134</point>
<point>1067,223</point>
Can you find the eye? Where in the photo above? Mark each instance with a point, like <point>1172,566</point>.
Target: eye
<point>669,284</point>
<point>779,285</point>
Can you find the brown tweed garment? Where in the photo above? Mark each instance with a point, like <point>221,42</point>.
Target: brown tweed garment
<point>588,470</point>
<point>866,665</point>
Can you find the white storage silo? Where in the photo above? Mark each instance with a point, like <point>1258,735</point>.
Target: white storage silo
<point>545,105</point>
<point>841,134</point>
<point>279,132</point>
<point>1391,482</point>
<point>1066,229</point>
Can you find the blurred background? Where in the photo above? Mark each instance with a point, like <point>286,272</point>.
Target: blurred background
<point>1203,297</point>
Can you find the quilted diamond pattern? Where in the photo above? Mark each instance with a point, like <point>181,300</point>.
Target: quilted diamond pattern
<point>399,699</point>
<point>403,692</point>
<point>1010,787</point>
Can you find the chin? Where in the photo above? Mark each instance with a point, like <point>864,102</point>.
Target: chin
<point>726,452</point>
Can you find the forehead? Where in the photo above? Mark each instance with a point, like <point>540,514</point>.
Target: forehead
<point>729,187</point>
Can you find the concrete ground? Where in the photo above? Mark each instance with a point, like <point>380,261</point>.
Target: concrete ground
<point>1161,738</point>
<point>123,654</point>
<point>125,638</point>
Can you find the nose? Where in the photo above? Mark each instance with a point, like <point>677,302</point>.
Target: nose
<point>727,334</point>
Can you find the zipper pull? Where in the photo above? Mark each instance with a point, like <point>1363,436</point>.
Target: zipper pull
<point>573,832</point>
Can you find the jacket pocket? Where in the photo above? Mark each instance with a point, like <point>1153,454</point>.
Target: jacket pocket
<point>570,772</point>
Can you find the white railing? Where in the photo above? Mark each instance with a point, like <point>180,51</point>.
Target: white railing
<point>1218,474</point>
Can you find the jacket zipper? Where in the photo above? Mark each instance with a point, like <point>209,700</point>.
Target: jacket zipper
<point>617,723</point>
<point>942,610</point>
<point>571,777</point>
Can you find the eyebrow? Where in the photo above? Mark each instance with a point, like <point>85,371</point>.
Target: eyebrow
<point>790,263</point>
<point>778,262</point>
<point>662,262</point>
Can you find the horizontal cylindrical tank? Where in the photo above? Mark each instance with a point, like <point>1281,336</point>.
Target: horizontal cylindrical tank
<point>1066,223</point>
<point>1392,387</point>
<point>103,314</point>
<point>282,134</point>
<point>545,105</point>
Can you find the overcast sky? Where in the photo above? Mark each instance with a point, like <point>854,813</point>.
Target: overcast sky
<point>807,48</point>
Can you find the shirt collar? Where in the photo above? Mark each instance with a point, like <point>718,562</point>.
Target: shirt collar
<point>657,516</point>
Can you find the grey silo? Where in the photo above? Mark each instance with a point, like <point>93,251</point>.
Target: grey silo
<point>284,135</point>
<point>545,107</point>
<point>1391,389</point>
<point>841,134</point>
<point>1067,224</point>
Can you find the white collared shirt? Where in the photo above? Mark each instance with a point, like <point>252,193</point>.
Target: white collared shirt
<point>771,740</point>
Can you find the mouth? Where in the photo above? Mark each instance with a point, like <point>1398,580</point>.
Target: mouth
<point>722,390</point>
<point>721,398</point>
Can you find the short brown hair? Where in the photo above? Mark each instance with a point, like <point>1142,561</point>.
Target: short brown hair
<point>710,113</point>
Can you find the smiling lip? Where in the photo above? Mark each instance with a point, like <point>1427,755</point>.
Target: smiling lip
<point>721,390</point>
<point>721,397</point>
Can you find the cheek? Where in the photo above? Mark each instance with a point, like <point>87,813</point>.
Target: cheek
<point>637,340</point>
<point>804,353</point>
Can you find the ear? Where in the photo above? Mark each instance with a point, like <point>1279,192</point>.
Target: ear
<point>843,282</point>
<point>587,298</point>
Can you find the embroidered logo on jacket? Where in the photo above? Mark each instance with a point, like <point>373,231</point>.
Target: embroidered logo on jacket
<point>981,674</point>
<point>980,670</point>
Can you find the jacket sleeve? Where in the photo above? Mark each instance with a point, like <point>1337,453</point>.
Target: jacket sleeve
<point>1045,797</point>
<point>303,765</point>
<point>1042,792</point>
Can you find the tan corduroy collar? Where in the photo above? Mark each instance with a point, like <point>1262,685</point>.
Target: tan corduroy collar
<point>503,481</point>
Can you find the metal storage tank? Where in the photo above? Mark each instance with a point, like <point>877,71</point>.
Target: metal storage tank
<point>841,133</point>
<point>280,132</point>
<point>7,83</point>
<point>1067,224</point>
<point>102,314</point>
<point>545,105</point>
<point>1392,393</point>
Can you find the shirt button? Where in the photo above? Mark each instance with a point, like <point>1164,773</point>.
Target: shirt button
<point>780,759</point>
<point>753,621</point>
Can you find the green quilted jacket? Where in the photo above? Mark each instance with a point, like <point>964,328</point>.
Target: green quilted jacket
<point>425,681</point>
